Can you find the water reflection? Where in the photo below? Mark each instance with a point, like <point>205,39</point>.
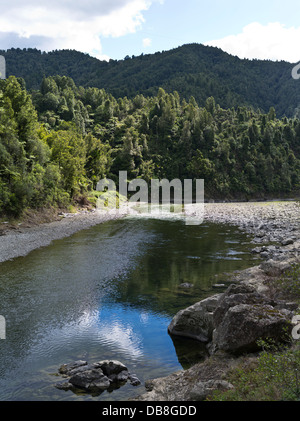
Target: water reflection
<point>109,293</point>
<point>189,352</point>
<point>120,329</point>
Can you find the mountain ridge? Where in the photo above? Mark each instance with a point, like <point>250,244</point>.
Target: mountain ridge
<point>191,70</point>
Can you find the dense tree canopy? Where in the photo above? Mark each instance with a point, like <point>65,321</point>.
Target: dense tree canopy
<point>191,70</point>
<point>58,141</point>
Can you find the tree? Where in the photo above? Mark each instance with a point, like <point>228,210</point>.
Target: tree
<point>68,150</point>
<point>98,160</point>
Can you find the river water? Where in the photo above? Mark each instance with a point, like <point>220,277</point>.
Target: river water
<point>109,292</point>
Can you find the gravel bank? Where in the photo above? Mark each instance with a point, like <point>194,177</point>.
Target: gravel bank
<point>268,222</point>
<point>273,220</point>
<point>21,241</point>
<point>274,226</point>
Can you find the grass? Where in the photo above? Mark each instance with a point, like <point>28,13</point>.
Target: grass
<point>289,283</point>
<point>273,376</point>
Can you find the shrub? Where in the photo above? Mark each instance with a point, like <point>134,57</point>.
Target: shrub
<point>273,376</point>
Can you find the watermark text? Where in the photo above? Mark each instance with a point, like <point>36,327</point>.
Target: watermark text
<point>2,327</point>
<point>296,329</point>
<point>159,196</point>
<point>2,67</point>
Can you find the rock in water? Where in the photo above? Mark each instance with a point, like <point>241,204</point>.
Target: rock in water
<point>67,368</point>
<point>196,321</point>
<point>186,285</point>
<point>91,380</point>
<point>111,367</point>
<point>96,377</point>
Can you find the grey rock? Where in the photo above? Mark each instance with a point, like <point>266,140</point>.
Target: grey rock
<point>80,369</point>
<point>96,377</point>
<point>237,294</point>
<point>274,267</point>
<point>245,324</point>
<point>287,242</point>
<point>90,380</point>
<point>110,367</point>
<point>121,377</point>
<point>186,285</point>
<point>67,368</point>
<point>264,254</point>
<point>64,386</point>
<point>202,390</point>
<point>257,250</point>
<point>196,321</point>
<point>134,380</point>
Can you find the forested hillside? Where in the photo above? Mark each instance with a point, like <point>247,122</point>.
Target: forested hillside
<point>56,143</point>
<point>191,70</point>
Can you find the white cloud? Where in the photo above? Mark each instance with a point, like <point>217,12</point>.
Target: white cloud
<point>72,24</point>
<point>147,42</point>
<point>273,41</point>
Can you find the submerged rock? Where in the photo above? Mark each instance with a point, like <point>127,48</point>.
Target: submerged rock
<point>186,285</point>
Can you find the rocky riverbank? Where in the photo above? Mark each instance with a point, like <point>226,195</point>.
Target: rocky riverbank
<point>250,309</point>
<point>275,230</point>
<point>272,224</point>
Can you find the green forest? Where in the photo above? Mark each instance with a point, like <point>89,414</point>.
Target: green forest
<point>191,70</point>
<point>58,141</point>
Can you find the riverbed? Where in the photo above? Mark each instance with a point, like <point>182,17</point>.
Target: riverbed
<point>108,291</point>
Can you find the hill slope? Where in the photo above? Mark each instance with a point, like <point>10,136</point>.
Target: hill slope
<point>191,70</point>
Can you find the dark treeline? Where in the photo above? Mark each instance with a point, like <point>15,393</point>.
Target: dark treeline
<point>58,141</point>
<point>191,70</point>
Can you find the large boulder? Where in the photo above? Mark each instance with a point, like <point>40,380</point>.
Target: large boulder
<point>245,324</point>
<point>275,268</point>
<point>196,383</point>
<point>196,321</point>
<point>235,320</point>
<point>238,294</point>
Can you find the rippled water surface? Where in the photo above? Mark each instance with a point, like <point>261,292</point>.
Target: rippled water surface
<point>109,293</point>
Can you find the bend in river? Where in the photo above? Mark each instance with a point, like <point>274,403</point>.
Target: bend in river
<point>109,292</point>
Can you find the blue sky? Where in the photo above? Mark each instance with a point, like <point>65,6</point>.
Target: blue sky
<point>177,22</point>
<point>116,28</point>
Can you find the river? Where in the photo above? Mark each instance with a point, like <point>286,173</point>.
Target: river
<point>109,292</point>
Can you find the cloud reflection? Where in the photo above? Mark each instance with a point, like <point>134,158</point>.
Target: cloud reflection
<point>134,332</point>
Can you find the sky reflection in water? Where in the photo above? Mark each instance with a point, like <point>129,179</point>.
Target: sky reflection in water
<point>108,293</point>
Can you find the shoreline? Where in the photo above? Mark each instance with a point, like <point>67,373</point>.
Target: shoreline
<point>20,241</point>
<point>275,228</point>
<point>267,222</point>
<point>275,231</point>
